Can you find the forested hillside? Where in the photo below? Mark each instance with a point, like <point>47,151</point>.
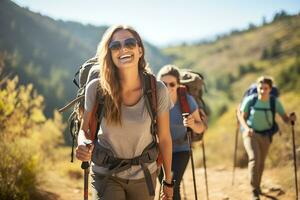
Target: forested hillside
<point>47,52</point>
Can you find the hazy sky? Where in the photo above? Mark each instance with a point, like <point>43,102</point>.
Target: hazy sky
<point>162,22</point>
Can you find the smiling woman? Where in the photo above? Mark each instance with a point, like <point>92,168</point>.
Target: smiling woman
<point>126,137</point>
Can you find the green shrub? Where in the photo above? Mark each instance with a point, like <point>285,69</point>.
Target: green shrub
<point>26,137</point>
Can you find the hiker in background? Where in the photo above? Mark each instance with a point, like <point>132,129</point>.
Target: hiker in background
<point>125,130</point>
<point>258,126</point>
<point>170,75</point>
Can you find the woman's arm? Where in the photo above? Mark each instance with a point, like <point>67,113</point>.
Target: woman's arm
<point>242,116</point>
<point>288,119</point>
<point>84,128</point>
<point>285,118</point>
<point>195,122</point>
<point>165,147</point>
<point>83,152</point>
<point>165,143</point>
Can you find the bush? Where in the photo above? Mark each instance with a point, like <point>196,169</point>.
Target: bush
<point>18,171</point>
<point>244,69</point>
<point>288,79</point>
<point>26,136</point>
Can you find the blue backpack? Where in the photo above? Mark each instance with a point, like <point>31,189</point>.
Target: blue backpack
<point>252,91</point>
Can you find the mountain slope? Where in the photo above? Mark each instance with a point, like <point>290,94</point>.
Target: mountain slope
<point>230,64</point>
<point>47,52</point>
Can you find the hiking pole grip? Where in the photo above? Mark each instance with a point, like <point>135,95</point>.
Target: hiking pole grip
<point>85,165</point>
<point>292,115</point>
<point>184,116</point>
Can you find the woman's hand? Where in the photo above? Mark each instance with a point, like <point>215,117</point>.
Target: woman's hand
<point>249,132</point>
<point>189,121</point>
<point>194,122</point>
<point>166,193</point>
<point>84,153</point>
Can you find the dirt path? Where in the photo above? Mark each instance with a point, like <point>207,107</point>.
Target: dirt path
<point>220,187</point>
<point>219,182</point>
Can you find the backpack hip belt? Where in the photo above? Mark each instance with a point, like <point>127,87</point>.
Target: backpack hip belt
<point>269,132</point>
<point>103,157</point>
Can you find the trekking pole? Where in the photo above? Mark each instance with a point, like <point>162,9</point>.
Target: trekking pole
<point>235,150</point>
<point>189,132</point>
<point>205,172</point>
<point>192,161</point>
<point>86,167</point>
<point>294,155</point>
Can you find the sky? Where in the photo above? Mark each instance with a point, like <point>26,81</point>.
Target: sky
<point>166,22</point>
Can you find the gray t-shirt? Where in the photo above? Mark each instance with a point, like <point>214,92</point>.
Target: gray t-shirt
<point>130,139</point>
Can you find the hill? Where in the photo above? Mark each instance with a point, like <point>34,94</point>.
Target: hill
<point>50,51</point>
<point>232,62</point>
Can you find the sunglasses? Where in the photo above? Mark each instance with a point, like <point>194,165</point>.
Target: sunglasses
<point>171,84</point>
<point>129,43</point>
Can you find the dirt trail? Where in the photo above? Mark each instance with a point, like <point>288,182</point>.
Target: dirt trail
<point>219,182</point>
<point>220,187</point>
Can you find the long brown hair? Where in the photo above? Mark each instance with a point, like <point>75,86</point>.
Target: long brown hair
<point>109,75</point>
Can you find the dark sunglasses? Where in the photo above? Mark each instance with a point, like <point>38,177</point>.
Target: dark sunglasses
<point>172,84</point>
<point>129,43</point>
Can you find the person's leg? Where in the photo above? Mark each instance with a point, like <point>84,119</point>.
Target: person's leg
<point>113,188</point>
<point>264,144</point>
<point>254,157</point>
<point>137,189</point>
<point>179,163</point>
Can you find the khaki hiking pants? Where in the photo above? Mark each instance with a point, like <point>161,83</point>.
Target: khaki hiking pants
<point>121,189</point>
<point>257,148</point>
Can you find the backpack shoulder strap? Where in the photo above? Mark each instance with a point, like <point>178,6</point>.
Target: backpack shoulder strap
<point>273,106</point>
<point>98,112</point>
<point>182,97</point>
<point>253,102</point>
<point>150,94</point>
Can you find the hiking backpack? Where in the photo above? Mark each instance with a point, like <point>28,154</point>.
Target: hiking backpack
<point>192,84</point>
<point>274,94</point>
<point>74,120</point>
<point>252,90</point>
